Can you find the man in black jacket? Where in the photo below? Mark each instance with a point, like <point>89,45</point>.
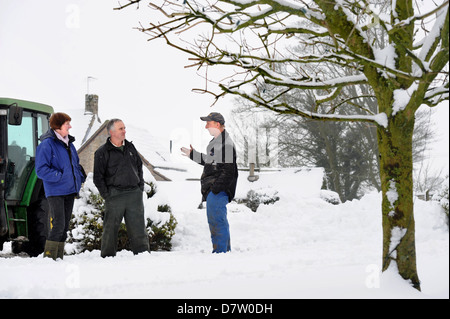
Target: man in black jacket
<point>119,178</point>
<point>219,179</point>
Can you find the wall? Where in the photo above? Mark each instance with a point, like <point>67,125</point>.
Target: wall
<point>87,151</point>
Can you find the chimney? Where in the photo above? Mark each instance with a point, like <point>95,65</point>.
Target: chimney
<point>91,104</point>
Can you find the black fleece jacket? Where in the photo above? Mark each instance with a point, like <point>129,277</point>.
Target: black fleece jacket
<point>220,172</point>
<point>117,167</point>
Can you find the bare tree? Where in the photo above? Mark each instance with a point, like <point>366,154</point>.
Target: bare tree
<point>251,38</point>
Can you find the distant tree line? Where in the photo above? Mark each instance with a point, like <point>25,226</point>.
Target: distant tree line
<point>347,151</point>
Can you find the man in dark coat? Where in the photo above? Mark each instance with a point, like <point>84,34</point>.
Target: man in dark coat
<point>219,179</point>
<point>119,178</point>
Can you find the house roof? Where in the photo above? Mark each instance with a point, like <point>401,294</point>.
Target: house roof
<point>86,127</point>
<point>155,151</point>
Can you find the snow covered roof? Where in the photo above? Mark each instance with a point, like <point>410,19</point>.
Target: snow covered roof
<point>149,146</point>
<point>86,125</point>
<point>81,123</point>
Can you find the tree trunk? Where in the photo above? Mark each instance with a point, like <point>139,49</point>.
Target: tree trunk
<point>330,149</point>
<point>396,166</point>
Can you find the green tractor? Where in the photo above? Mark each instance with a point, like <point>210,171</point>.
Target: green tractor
<point>24,213</point>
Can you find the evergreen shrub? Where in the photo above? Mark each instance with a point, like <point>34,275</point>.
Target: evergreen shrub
<point>86,225</point>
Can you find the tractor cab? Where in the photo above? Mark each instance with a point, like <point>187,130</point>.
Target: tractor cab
<point>23,208</point>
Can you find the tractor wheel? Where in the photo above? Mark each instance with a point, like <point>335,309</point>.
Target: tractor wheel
<point>38,227</point>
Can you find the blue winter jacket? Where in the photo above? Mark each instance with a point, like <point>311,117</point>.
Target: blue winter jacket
<point>58,166</point>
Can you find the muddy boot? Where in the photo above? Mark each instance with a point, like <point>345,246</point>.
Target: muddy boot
<point>60,253</point>
<point>51,249</point>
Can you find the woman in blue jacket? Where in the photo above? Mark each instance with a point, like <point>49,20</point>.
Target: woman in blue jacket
<point>58,165</point>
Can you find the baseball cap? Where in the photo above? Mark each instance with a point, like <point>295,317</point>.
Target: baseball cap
<point>214,116</point>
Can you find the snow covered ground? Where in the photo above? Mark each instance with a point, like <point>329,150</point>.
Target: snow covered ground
<point>299,247</point>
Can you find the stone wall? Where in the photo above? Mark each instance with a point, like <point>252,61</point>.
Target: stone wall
<point>87,151</point>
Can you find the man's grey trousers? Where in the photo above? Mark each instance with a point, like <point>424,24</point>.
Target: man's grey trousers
<point>126,204</point>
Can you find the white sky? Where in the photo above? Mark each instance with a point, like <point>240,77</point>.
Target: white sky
<point>48,49</point>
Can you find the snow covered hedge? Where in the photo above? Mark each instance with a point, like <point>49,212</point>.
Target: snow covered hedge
<point>87,222</point>
<point>287,184</point>
<point>257,197</point>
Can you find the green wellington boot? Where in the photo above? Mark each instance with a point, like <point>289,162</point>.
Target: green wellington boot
<point>51,249</point>
<point>60,253</point>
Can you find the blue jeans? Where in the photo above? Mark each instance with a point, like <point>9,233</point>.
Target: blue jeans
<point>216,210</point>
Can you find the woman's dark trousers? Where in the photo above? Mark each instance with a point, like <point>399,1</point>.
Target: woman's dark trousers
<point>60,213</point>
